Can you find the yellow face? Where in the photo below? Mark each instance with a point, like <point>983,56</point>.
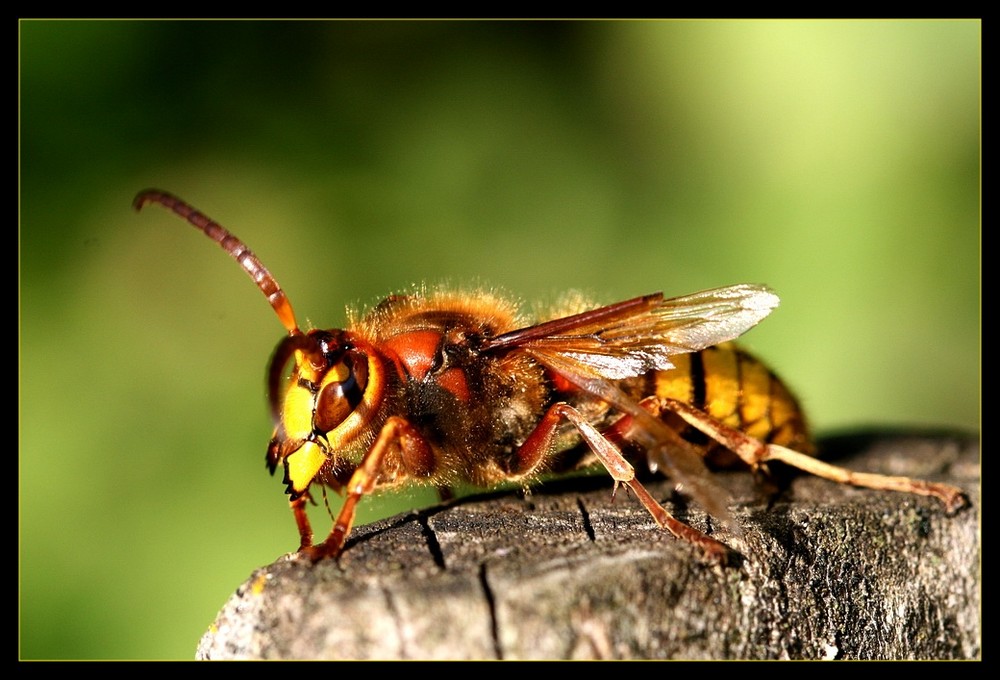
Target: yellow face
<point>331,398</point>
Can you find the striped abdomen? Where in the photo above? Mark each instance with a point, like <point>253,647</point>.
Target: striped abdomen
<point>735,388</point>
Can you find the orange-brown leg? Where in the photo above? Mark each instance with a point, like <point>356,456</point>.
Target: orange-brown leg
<point>755,452</point>
<point>679,459</point>
<point>624,430</point>
<point>417,457</point>
<point>536,446</point>
<point>298,506</point>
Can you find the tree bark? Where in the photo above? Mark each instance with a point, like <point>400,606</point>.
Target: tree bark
<point>823,571</point>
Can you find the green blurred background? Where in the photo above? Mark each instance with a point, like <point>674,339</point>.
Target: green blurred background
<point>837,161</point>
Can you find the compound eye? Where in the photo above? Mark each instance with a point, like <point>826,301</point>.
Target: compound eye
<point>343,389</point>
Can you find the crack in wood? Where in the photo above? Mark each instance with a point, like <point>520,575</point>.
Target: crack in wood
<point>585,514</point>
<point>397,618</point>
<point>491,606</point>
<point>433,546</point>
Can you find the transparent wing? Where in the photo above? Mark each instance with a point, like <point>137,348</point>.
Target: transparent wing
<point>635,336</point>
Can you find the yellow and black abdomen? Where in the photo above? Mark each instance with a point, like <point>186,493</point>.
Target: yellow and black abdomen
<point>735,388</point>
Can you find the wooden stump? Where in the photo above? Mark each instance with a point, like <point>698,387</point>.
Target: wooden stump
<point>824,572</point>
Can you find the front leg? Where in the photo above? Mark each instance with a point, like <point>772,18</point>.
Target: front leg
<point>417,459</point>
<point>298,505</point>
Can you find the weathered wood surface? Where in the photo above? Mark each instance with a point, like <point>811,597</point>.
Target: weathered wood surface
<point>824,572</point>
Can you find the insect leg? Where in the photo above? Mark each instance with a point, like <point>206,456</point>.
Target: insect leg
<point>755,452</point>
<point>623,430</point>
<point>417,457</point>
<point>298,506</point>
<point>534,448</point>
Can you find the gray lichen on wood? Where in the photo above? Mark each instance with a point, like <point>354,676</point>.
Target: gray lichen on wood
<point>824,572</point>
